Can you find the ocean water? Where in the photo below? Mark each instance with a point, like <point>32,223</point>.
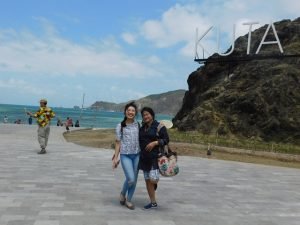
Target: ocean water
<point>89,118</point>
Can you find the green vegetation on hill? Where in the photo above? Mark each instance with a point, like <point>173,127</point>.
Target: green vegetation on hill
<point>255,100</point>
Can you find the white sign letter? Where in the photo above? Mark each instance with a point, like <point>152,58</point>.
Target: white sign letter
<point>263,42</point>
<point>249,35</point>
<point>232,46</point>
<point>197,42</point>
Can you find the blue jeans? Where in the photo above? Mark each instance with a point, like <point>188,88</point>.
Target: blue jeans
<point>130,164</point>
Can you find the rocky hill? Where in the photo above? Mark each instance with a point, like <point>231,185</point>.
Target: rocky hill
<point>166,103</point>
<point>253,99</point>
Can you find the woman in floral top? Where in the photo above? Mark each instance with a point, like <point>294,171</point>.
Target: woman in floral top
<point>43,117</point>
<point>127,145</point>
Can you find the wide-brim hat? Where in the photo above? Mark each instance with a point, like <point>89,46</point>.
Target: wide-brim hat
<point>43,100</point>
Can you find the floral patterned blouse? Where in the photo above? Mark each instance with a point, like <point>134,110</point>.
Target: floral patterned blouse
<point>44,115</point>
<point>129,138</point>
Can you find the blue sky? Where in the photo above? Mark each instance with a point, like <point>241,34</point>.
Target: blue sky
<point>113,50</point>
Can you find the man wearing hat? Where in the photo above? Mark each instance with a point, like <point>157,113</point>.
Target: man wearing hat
<point>43,116</point>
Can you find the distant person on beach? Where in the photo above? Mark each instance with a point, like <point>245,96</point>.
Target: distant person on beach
<point>18,121</point>
<point>59,123</point>
<point>71,122</point>
<point>43,116</point>
<point>67,124</point>
<point>30,120</point>
<point>150,140</point>
<point>127,145</point>
<point>77,123</point>
<point>5,119</point>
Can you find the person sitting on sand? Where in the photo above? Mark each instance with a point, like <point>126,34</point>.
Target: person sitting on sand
<point>77,123</point>
<point>5,119</point>
<point>68,124</point>
<point>59,123</point>
<point>18,121</point>
<point>30,120</point>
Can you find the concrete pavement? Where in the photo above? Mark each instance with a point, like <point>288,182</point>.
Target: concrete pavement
<point>74,185</point>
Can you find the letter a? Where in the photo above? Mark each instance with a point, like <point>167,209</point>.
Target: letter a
<point>263,42</point>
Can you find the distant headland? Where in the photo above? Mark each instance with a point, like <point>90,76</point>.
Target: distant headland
<point>167,103</point>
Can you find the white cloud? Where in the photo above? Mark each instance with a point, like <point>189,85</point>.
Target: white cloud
<point>129,38</point>
<point>154,59</point>
<point>114,88</point>
<point>177,25</point>
<point>25,87</point>
<point>127,91</point>
<point>134,94</point>
<point>79,87</point>
<point>47,26</point>
<point>123,94</point>
<point>25,52</point>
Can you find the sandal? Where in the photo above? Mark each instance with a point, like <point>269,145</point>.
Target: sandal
<point>122,199</point>
<point>129,205</point>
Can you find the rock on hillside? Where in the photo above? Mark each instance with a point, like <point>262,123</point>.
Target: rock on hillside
<point>257,98</point>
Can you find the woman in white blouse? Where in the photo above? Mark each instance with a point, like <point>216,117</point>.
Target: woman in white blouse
<point>127,145</point>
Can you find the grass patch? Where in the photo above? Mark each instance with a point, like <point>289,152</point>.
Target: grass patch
<point>248,144</point>
<point>103,138</point>
<point>195,144</point>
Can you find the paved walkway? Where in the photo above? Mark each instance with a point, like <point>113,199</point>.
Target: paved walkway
<point>74,185</point>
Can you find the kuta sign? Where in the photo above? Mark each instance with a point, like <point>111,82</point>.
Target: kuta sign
<point>250,24</point>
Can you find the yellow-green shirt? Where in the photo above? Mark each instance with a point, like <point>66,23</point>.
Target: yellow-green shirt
<point>44,115</point>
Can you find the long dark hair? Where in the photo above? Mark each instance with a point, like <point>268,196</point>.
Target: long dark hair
<point>130,104</point>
